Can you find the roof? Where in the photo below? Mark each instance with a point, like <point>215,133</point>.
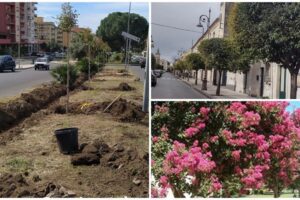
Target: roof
<point>206,32</point>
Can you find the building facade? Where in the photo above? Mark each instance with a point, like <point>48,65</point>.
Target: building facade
<point>262,80</point>
<point>17,24</point>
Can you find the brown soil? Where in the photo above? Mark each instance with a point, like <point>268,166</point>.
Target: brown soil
<point>30,148</point>
<point>22,185</point>
<point>125,87</point>
<point>122,109</point>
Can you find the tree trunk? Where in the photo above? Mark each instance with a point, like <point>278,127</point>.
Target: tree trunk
<point>219,83</point>
<point>196,78</point>
<point>68,73</point>
<point>276,190</point>
<point>177,193</point>
<point>293,85</point>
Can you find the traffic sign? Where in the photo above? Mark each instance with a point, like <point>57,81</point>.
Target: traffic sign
<point>129,36</point>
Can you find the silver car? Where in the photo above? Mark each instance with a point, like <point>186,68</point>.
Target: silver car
<point>41,63</point>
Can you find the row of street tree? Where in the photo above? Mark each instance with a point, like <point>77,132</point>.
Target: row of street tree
<point>257,31</point>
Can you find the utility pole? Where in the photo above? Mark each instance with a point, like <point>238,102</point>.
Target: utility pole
<point>146,83</point>
<point>127,39</point>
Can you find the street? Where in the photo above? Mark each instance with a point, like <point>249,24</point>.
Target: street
<point>168,87</point>
<point>14,83</point>
<point>138,71</point>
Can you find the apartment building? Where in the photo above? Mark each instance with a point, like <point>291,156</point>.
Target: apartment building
<point>17,24</point>
<point>45,32</point>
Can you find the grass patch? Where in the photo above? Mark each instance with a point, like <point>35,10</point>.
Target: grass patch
<point>18,165</point>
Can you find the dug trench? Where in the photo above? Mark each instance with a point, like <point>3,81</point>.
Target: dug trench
<point>32,166</point>
<point>14,111</point>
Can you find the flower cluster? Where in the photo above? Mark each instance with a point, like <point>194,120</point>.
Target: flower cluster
<point>249,144</point>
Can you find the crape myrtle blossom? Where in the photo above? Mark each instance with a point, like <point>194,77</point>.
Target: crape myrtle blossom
<point>248,145</point>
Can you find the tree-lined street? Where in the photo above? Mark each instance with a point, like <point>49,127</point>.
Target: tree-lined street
<point>169,87</point>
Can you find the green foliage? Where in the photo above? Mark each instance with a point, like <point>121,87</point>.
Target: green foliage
<point>60,74</point>
<point>116,57</point>
<point>181,65</point>
<point>269,31</point>
<point>83,66</point>
<point>219,54</point>
<point>68,18</point>
<point>195,61</point>
<point>111,27</point>
<point>216,53</point>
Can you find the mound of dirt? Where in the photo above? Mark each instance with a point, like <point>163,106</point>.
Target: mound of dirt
<point>125,87</point>
<point>16,185</point>
<point>124,110</point>
<point>90,153</point>
<point>15,110</point>
<point>127,111</point>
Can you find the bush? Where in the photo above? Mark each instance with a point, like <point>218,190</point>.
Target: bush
<point>83,66</point>
<point>60,74</point>
<point>224,148</point>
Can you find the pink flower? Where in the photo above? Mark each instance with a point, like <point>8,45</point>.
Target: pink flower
<point>236,155</point>
<point>250,119</point>
<point>204,111</point>
<point>227,134</point>
<point>190,132</point>
<point>213,139</point>
<point>164,181</point>
<point>155,139</point>
<point>205,146</point>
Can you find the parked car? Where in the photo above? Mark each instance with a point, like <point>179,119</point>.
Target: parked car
<point>41,63</point>
<point>153,79</point>
<point>7,63</point>
<point>49,56</point>
<point>40,54</point>
<point>143,62</point>
<point>59,55</point>
<point>158,73</point>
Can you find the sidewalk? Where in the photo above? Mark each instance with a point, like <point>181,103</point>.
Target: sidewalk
<point>210,93</point>
<point>29,65</point>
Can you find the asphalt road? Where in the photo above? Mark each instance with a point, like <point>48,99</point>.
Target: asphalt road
<point>168,87</point>
<point>14,83</point>
<point>138,71</point>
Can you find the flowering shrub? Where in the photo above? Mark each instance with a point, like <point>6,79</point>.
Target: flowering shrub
<point>223,148</point>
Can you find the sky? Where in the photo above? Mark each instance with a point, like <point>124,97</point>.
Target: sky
<point>293,105</point>
<point>91,13</point>
<point>181,15</point>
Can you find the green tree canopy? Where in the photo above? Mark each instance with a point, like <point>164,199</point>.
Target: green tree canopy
<point>195,61</point>
<point>111,27</point>
<point>217,53</point>
<point>270,32</point>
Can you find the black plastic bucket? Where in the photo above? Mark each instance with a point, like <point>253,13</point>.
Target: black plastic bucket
<point>67,140</point>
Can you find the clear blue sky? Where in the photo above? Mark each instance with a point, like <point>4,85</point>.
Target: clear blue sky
<point>91,13</point>
<point>293,106</point>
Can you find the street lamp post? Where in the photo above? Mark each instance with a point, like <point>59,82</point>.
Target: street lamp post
<point>204,19</point>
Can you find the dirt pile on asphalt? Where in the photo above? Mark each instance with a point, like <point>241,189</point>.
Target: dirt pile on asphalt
<point>20,186</point>
<point>124,87</point>
<point>124,110</point>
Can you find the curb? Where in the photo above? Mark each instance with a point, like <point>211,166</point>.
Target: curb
<point>24,68</point>
<point>198,90</point>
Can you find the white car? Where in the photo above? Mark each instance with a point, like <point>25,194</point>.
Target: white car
<point>41,63</point>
